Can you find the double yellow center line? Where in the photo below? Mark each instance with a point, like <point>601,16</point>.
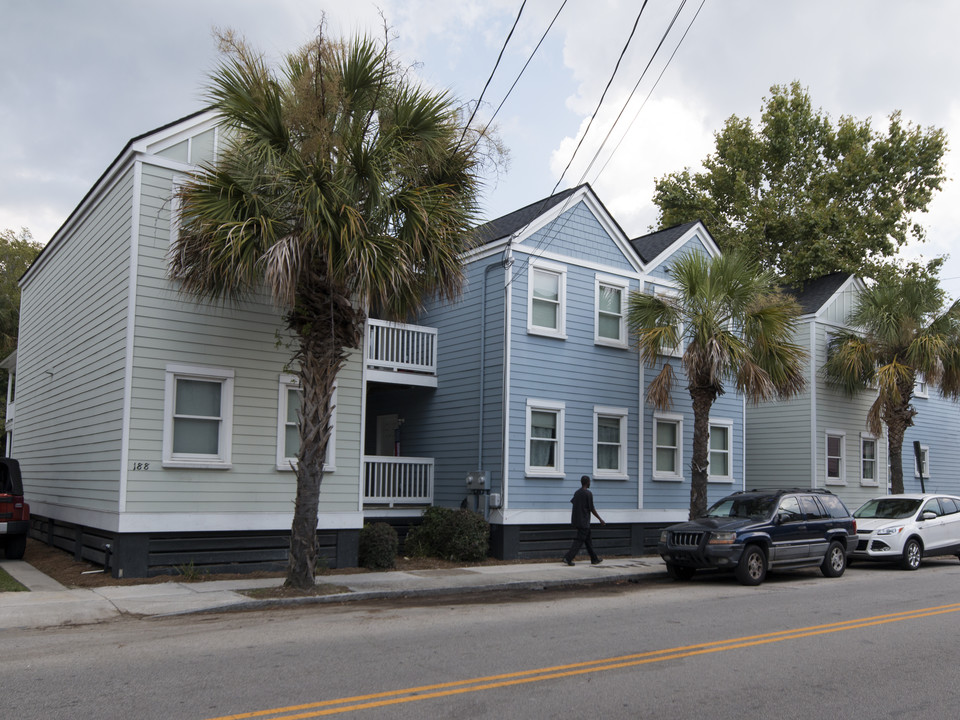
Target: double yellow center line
<point>490,682</point>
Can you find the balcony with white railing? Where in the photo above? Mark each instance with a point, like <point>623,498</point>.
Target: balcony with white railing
<point>398,353</point>
<point>392,481</point>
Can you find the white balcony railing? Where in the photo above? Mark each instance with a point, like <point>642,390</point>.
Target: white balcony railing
<point>409,351</point>
<point>397,480</point>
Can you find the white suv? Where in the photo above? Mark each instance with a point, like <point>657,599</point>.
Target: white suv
<point>904,528</point>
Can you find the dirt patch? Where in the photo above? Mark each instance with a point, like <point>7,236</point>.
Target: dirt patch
<point>285,592</point>
<point>65,569</point>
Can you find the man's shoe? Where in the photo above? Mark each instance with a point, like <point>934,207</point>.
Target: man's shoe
<point>597,561</point>
<point>568,562</point>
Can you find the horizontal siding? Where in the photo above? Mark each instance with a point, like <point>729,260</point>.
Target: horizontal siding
<point>580,374</point>
<point>444,423</point>
<point>71,357</point>
<point>937,426</point>
<point>172,328</point>
<point>578,235</point>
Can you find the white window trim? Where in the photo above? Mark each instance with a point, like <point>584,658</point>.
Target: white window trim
<point>221,461</point>
<point>659,475</point>
<point>545,406</point>
<point>677,350</point>
<point>622,414</point>
<point>288,464</point>
<point>925,454</point>
<point>842,480</point>
<point>920,387</point>
<point>728,478</point>
<point>867,482</point>
<point>561,330</point>
<point>623,286</point>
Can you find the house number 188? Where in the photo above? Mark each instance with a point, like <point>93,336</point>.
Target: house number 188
<point>141,466</point>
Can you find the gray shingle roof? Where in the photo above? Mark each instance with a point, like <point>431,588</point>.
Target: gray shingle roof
<point>512,222</point>
<point>649,246</point>
<point>813,294</point>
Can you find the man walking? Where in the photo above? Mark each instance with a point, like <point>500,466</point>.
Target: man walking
<point>580,519</point>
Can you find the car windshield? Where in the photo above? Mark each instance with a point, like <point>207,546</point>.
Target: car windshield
<point>757,507</point>
<point>888,508</point>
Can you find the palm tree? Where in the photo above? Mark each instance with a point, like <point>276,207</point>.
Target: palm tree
<point>343,188</point>
<point>902,330</point>
<point>735,327</point>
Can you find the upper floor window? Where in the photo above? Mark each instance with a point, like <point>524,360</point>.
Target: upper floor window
<point>547,297</point>
<point>198,416</point>
<point>920,387</point>
<point>611,326</point>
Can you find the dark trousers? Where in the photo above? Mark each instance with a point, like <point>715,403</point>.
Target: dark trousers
<point>583,538</point>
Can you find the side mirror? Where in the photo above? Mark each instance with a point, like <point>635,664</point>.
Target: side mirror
<point>928,515</point>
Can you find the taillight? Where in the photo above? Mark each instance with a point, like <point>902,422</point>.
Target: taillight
<point>854,526</point>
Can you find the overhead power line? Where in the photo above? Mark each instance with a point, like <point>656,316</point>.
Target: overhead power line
<point>495,66</point>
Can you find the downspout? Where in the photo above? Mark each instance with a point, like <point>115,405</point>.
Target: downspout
<point>813,404</point>
<point>503,264</point>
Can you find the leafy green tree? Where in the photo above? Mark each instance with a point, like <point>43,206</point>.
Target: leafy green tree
<point>735,327</point>
<point>806,196</point>
<point>903,328</point>
<point>17,252</point>
<point>343,187</point>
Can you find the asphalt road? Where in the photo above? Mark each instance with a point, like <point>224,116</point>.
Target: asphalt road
<point>876,643</point>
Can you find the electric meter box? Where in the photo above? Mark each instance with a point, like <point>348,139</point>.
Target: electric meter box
<point>477,480</point>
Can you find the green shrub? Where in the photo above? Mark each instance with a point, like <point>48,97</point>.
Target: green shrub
<point>378,546</point>
<point>456,535</point>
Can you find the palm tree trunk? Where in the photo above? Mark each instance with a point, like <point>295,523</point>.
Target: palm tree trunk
<point>702,402</point>
<point>898,419</point>
<point>320,362</point>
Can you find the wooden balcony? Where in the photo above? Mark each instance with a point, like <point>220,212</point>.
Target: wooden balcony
<point>403,354</point>
<point>393,481</point>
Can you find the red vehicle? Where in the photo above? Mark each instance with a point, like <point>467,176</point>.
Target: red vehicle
<point>14,512</point>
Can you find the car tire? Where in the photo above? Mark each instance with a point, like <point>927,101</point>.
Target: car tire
<point>680,572</point>
<point>15,546</point>
<point>835,561</point>
<point>752,568</point>
<point>912,555</point>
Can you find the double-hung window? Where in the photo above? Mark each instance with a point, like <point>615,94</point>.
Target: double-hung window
<point>920,387</point>
<point>923,467</point>
<point>611,298</point>
<point>547,296</point>
<point>868,460</point>
<point>198,417</point>
<point>544,438</point>
<point>610,442</point>
<point>668,447</point>
<point>835,458</point>
<point>720,467</point>
<point>288,426</point>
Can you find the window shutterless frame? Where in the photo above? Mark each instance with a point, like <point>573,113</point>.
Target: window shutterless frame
<point>197,417</point>
<point>610,432</point>
<point>288,426</point>
<point>546,300</point>
<point>544,438</point>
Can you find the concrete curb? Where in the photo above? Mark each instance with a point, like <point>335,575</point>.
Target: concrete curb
<point>362,595</point>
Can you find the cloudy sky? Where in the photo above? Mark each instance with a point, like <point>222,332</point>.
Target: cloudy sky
<point>79,79</point>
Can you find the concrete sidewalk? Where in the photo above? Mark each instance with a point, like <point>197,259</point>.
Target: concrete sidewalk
<point>50,604</point>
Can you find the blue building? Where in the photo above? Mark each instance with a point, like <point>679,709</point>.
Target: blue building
<point>537,384</point>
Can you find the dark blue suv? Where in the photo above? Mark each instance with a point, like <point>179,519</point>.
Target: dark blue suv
<point>751,531</point>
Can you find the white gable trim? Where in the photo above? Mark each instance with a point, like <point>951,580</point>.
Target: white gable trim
<point>589,199</point>
<point>709,244</point>
<point>575,262</point>
<point>111,176</point>
<point>852,280</point>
